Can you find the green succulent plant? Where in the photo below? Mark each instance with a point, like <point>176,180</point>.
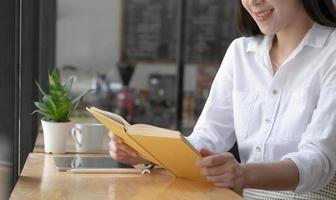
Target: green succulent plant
<point>57,106</point>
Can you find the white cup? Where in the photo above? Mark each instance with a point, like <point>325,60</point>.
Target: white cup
<point>89,137</point>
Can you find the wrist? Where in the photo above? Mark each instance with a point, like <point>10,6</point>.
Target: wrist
<point>246,177</point>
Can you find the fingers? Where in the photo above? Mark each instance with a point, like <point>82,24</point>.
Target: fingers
<point>228,180</point>
<point>122,152</point>
<point>226,184</point>
<point>221,169</point>
<point>122,147</point>
<point>125,157</point>
<point>216,160</point>
<point>206,152</point>
<point>117,151</point>
<point>117,144</point>
<point>118,156</point>
<point>225,180</point>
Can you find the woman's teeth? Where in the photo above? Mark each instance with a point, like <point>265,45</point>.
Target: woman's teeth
<point>264,13</point>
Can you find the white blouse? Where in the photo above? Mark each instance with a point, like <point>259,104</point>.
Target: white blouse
<point>289,115</point>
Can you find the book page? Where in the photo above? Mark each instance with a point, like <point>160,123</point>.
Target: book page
<point>113,116</point>
<point>149,130</point>
<point>119,129</point>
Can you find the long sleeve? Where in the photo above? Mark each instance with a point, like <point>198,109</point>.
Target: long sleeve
<point>316,155</point>
<point>215,128</point>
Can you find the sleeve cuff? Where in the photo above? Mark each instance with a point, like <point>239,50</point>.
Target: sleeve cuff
<point>195,142</point>
<point>300,187</point>
<point>311,172</point>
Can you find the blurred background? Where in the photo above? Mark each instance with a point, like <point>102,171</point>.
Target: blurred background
<point>127,50</point>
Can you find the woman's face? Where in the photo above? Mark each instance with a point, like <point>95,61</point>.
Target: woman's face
<point>273,16</point>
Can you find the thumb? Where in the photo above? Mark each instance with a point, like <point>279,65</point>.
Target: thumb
<point>205,152</point>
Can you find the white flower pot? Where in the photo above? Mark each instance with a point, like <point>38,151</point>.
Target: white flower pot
<point>55,136</point>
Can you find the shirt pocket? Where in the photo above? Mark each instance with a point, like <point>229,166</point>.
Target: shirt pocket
<point>304,101</point>
<point>299,111</point>
<point>243,106</point>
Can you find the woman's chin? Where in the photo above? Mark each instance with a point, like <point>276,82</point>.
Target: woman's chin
<point>267,31</point>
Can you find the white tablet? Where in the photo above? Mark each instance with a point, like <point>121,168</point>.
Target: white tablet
<point>81,163</point>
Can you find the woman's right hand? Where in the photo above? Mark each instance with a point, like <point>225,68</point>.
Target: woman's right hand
<point>122,152</point>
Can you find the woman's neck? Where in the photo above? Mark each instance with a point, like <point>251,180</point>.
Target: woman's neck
<point>286,40</point>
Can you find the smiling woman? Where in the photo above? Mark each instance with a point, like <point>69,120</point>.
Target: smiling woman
<point>274,94</point>
<point>290,55</point>
<point>284,125</point>
<point>321,11</point>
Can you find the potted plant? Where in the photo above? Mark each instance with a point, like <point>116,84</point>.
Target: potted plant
<point>56,108</point>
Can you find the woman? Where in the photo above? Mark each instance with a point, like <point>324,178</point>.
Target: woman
<point>275,94</point>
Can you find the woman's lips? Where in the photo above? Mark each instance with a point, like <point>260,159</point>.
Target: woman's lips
<point>263,15</point>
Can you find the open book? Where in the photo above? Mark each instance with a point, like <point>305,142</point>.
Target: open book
<point>163,147</point>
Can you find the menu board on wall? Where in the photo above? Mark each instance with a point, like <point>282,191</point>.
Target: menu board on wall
<point>150,30</point>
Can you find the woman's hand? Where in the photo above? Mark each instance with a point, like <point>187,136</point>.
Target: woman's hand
<point>222,169</point>
<point>122,152</point>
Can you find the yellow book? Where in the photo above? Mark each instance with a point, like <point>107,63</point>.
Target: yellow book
<point>161,146</point>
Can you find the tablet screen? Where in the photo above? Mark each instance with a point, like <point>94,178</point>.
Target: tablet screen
<point>80,162</point>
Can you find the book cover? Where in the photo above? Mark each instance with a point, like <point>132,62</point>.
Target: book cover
<point>164,147</point>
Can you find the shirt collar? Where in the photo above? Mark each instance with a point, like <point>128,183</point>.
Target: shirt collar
<point>316,37</point>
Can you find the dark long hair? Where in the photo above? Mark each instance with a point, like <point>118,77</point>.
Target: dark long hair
<point>321,11</point>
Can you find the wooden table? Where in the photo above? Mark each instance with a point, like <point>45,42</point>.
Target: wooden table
<point>40,180</point>
<point>5,177</point>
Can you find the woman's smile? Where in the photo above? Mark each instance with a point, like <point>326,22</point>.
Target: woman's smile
<point>263,15</point>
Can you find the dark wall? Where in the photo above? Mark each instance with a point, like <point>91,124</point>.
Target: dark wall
<point>28,74</point>
<point>46,39</point>
<point>27,43</point>
<point>8,89</point>
<point>38,57</point>
<point>7,77</point>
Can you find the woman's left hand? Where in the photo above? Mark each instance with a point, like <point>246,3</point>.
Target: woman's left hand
<point>222,169</point>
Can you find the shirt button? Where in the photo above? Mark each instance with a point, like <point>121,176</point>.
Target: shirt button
<point>258,149</point>
<point>275,92</point>
<point>267,121</point>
